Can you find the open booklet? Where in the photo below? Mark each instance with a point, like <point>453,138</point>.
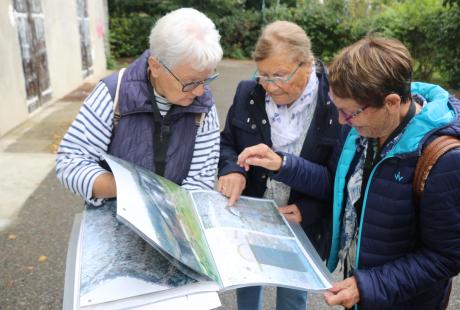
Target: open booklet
<point>109,266</point>
<point>248,244</point>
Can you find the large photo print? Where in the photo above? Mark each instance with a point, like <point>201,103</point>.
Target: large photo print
<point>162,213</point>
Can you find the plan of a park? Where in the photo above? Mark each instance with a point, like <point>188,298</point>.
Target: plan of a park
<point>158,243</point>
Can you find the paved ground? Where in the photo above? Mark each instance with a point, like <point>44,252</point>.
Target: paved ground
<point>36,213</point>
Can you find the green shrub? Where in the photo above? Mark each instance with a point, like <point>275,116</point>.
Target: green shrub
<point>239,30</point>
<point>429,30</point>
<point>447,44</point>
<point>411,23</point>
<point>111,63</point>
<point>239,33</point>
<point>129,35</point>
<point>326,29</point>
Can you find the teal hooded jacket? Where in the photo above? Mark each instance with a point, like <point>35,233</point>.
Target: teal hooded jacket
<point>406,252</point>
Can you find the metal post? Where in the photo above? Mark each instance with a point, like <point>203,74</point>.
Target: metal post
<point>263,11</point>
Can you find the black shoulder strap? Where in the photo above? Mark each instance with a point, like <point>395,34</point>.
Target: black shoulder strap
<point>373,156</point>
<point>161,136</point>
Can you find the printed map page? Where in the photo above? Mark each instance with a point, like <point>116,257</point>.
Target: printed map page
<point>252,244</point>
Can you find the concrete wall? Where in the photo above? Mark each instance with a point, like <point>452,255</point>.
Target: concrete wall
<point>12,90</point>
<point>62,45</point>
<point>97,14</point>
<point>63,53</point>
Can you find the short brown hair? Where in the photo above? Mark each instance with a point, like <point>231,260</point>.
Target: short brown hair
<point>370,69</point>
<point>286,35</point>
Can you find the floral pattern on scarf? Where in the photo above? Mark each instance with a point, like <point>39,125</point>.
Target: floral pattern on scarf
<point>289,127</point>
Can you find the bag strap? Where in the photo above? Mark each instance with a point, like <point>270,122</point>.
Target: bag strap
<point>162,135</point>
<point>430,155</point>
<point>116,106</point>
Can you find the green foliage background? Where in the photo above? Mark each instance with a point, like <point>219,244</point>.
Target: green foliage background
<point>429,28</point>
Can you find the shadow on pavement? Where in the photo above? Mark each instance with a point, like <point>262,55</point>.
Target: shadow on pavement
<point>34,248</point>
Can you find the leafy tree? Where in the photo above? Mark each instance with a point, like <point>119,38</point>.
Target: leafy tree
<point>337,6</point>
<point>452,2</point>
<point>239,33</point>
<point>412,23</point>
<point>326,28</point>
<point>446,41</point>
<point>429,28</point>
<point>122,8</point>
<point>129,36</point>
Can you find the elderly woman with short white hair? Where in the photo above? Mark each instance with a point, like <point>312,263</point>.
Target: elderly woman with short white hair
<point>158,113</point>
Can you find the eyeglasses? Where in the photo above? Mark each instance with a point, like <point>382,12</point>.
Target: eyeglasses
<point>187,87</point>
<point>350,116</point>
<point>277,80</point>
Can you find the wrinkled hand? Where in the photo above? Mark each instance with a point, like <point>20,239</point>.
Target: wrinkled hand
<point>291,213</point>
<point>231,185</point>
<point>259,155</point>
<point>343,293</point>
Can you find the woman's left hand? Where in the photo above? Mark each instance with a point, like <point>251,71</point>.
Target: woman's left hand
<point>291,213</point>
<point>259,155</point>
<point>343,293</point>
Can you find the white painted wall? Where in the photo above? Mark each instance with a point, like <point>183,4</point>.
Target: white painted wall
<point>97,16</point>
<point>63,52</point>
<point>12,88</point>
<point>62,45</point>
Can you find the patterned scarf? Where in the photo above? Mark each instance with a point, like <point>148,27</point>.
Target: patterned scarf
<point>288,123</point>
<point>289,127</point>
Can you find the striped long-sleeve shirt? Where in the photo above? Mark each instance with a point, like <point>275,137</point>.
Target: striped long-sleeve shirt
<point>89,136</point>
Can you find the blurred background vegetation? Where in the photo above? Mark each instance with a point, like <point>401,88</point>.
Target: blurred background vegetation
<point>429,28</point>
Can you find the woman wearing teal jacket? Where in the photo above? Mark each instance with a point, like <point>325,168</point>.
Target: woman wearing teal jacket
<point>397,253</point>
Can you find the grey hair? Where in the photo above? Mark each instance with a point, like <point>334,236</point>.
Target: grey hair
<point>186,35</point>
<point>283,37</point>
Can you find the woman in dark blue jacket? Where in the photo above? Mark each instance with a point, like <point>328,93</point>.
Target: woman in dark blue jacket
<point>398,253</point>
<point>287,108</point>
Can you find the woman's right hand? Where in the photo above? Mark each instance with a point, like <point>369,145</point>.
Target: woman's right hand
<point>231,185</point>
<point>259,155</point>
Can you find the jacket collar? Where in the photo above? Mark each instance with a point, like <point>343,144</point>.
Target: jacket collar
<point>435,115</point>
